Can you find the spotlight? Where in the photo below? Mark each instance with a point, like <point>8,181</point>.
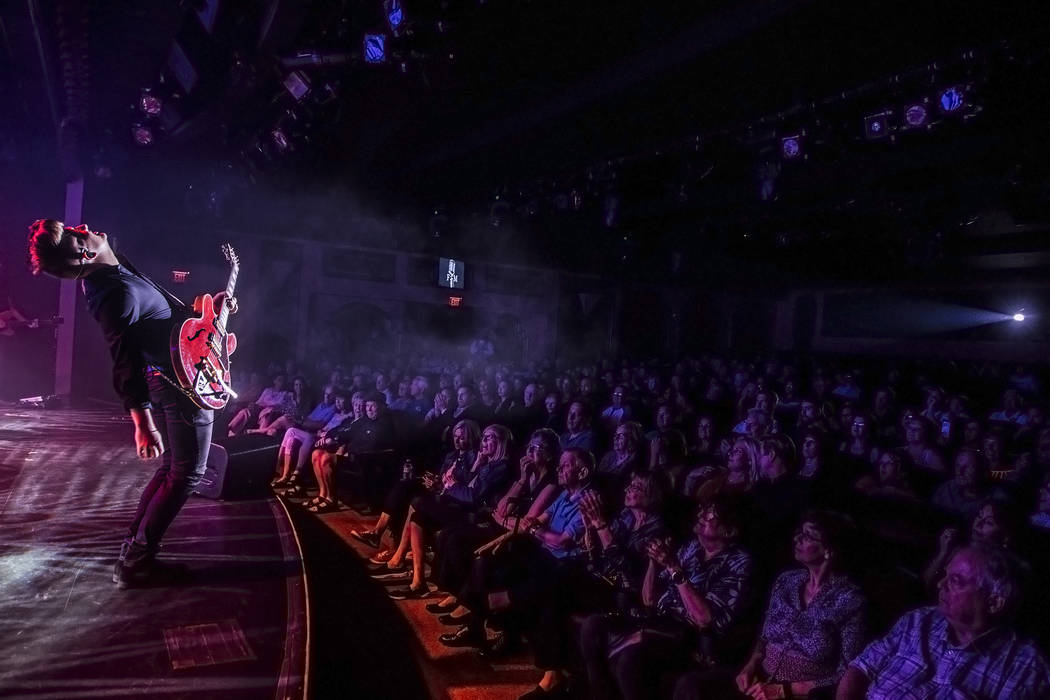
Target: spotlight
<point>1018,317</point>
<point>877,126</point>
<point>280,139</point>
<point>394,14</point>
<point>149,103</point>
<point>791,147</point>
<point>952,99</point>
<point>375,48</point>
<point>143,135</point>
<point>916,115</point>
<point>297,85</point>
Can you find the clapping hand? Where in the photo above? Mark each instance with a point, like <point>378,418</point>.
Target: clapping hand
<point>660,552</point>
<point>591,507</point>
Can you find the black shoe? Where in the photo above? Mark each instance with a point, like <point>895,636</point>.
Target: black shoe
<point>380,569</point>
<point>149,573</point>
<point>447,619</point>
<point>439,609</point>
<point>394,577</point>
<point>465,636</point>
<point>410,593</point>
<point>501,647</point>
<point>369,538</point>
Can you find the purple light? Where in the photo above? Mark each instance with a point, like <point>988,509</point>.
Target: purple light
<point>279,140</point>
<point>143,135</point>
<point>915,115</point>
<point>952,99</point>
<point>790,147</point>
<point>150,104</point>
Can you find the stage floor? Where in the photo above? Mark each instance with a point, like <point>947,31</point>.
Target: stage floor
<point>69,483</point>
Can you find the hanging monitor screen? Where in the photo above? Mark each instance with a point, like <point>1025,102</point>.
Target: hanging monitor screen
<point>451,273</point>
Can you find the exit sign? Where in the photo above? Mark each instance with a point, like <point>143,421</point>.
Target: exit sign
<point>455,301</point>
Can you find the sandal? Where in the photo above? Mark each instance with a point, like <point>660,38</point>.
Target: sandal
<point>326,505</point>
<point>315,501</point>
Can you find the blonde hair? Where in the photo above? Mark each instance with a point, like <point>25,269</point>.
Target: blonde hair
<point>504,438</point>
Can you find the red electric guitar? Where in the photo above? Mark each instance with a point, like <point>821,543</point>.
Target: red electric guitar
<point>201,347</point>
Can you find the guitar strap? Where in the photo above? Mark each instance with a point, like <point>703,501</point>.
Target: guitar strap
<point>178,303</point>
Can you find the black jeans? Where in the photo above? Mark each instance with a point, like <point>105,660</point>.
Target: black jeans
<point>186,430</point>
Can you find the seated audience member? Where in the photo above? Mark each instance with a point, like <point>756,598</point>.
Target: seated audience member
<point>506,407</point>
<point>512,581</point>
<point>486,394</point>
<point>299,440</point>
<point>884,427</point>
<point>273,396</point>
<point>859,446</point>
<point>277,419</point>
<point>441,408</point>
<point>619,552</point>
<point>552,418</point>
<point>757,424</point>
<point>532,413</point>
<point>1041,517</point>
<point>1000,470</point>
<point>964,647</point>
<point>528,497</point>
<point>468,407</point>
<point>464,498</point>
<point>810,416</point>
<point>779,495</point>
<point>972,434</point>
<point>993,525</point>
<point>1011,411</point>
<point>888,481</point>
<point>578,424</point>
<point>963,493</point>
<point>738,476</point>
<point>667,456</point>
<point>814,625</point>
<point>618,411</point>
<point>924,458</point>
<point>694,599</point>
<point>404,401</point>
<point>847,389</point>
<point>663,421</point>
<point>617,465</point>
<point>466,435</point>
<point>813,464</point>
<point>705,447</point>
<point>369,433</point>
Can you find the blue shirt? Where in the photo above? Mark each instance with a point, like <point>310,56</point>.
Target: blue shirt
<point>323,413</point>
<point>917,660</point>
<point>564,517</point>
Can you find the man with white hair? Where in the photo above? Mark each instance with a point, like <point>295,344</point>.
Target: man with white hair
<point>964,647</point>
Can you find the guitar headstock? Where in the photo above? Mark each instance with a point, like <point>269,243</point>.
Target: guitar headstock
<point>231,255</point>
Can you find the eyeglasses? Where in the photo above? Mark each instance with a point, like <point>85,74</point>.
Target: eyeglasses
<point>535,446</point>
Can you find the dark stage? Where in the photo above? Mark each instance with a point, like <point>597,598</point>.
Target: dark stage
<point>236,628</point>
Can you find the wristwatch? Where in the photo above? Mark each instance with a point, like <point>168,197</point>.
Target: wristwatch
<point>678,577</point>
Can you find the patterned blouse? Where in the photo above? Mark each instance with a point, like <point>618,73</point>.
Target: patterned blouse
<point>626,557</point>
<point>812,642</point>
<point>724,581</point>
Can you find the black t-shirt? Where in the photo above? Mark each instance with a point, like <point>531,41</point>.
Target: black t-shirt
<point>136,319</point>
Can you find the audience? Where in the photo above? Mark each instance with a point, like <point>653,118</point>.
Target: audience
<point>517,548</point>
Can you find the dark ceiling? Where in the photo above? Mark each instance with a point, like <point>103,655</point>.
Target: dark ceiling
<point>666,113</point>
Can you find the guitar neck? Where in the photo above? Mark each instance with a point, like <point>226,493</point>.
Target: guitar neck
<point>224,314</point>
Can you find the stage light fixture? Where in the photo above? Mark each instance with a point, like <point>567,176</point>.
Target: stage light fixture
<point>395,16</point>
<point>877,126</point>
<point>916,115</point>
<point>149,103</point>
<point>952,99</point>
<point>280,139</point>
<point>142,135</point>
<point>375,48</point>
<point>791,147</point>
<point>297,85</point>
<point>1018,317</point>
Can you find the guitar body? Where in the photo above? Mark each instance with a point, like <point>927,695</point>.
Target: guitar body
<point>200,353</point>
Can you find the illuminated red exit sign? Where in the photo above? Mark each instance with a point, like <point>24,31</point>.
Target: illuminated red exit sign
<point>455,301</point>
<point>179,276</point>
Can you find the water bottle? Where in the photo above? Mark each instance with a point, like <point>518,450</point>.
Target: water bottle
<point>407,470</point>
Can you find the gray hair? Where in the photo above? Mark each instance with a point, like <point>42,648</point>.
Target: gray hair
<point>998,575</point>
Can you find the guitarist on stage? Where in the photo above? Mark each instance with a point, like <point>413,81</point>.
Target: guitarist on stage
<point>136,316</point>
